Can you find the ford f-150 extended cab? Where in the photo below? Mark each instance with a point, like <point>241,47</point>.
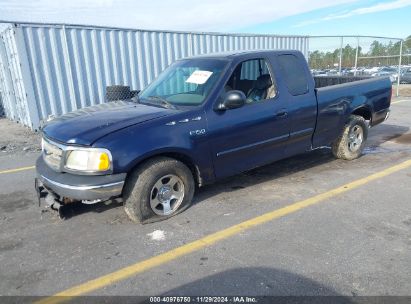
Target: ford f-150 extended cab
<point>204,118</point>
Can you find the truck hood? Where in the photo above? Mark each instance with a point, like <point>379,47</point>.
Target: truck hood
<point>85,126</point>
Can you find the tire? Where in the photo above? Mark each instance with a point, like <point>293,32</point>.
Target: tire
<point>152,184</point>
<point>350,144</point>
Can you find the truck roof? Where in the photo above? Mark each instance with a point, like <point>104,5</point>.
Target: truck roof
<point>239,53</point>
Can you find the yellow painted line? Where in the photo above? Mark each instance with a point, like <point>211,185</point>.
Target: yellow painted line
<point>17,170</point>
<point>398,101</point>
<point>211,239</point>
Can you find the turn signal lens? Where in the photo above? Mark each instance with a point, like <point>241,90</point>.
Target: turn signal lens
<point>104,164</point>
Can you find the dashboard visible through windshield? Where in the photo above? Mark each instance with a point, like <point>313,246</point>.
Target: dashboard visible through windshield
<point>186,82</point>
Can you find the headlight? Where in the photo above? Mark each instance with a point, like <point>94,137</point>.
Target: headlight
<point>89,160</point>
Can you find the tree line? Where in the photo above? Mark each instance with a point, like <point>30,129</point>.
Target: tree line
<point>324,60</point>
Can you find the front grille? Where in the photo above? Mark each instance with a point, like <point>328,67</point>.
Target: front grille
<point>52,154</point>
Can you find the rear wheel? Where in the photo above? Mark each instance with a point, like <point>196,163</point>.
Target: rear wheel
<point>351,142</point>
<point>160,188</point>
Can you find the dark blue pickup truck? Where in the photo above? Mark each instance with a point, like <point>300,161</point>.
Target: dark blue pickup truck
<point>204,118</point>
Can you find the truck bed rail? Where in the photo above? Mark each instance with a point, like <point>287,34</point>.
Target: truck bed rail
<point>325,81</point>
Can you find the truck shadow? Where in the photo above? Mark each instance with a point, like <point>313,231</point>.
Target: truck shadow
<point>78,208</point>
<point>238,285</point>
<point>268,172</point>
<point>264,282</point>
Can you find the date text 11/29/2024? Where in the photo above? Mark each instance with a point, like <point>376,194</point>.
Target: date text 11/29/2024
<point>204,299</point>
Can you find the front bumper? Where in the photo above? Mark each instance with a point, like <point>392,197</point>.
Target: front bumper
<point>79,187</point>
<point>387,115</point>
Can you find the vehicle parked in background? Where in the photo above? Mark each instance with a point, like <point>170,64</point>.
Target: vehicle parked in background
<point>371,70</point>
<point>203,119</point>
<point>318,72</point>
<point>392,73</point>
<point>353,71</point>
<point>406,77</point>
<point>332,72</point>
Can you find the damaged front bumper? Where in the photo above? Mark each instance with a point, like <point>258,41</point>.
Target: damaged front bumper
<point>66,186</point>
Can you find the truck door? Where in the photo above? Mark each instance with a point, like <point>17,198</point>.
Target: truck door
<point>254,134</point>
<point>297,88</point>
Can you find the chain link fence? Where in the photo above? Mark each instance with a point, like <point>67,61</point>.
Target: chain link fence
<point>363,56</point>
<point>119,92</point>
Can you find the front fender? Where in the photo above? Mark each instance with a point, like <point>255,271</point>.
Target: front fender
<point>132,145</point>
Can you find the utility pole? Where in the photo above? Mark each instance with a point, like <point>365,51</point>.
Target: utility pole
<point>356,56</point>
<point>399,70</point>
<point>341,47</point>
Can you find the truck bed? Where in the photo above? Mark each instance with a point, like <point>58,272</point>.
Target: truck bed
<point>370,96</point>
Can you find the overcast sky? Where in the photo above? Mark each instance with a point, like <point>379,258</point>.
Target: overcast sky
<point>314,17</point>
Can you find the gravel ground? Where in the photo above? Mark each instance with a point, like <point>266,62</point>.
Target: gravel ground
<point>405,90</point>
<point>17,138</point>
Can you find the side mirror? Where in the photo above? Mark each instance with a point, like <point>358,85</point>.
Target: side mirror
<point>232,100</point>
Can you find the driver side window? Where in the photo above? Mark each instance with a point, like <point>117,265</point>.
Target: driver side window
<point>253,78</point>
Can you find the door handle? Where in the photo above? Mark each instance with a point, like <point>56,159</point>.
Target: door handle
<point>281,113</point>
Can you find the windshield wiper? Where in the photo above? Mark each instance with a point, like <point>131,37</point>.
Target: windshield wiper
<point>163,101</point>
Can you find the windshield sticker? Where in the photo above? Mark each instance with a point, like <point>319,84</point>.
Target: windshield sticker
<point>199,77</point>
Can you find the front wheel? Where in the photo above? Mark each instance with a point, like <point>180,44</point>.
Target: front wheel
<point>160,188</point>
<point>350,144</point>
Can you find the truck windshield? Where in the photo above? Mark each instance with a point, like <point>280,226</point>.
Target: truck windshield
<point>185,82</point>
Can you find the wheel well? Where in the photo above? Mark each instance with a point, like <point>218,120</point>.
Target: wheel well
<point>195,171</point>
<point>363,112</point>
